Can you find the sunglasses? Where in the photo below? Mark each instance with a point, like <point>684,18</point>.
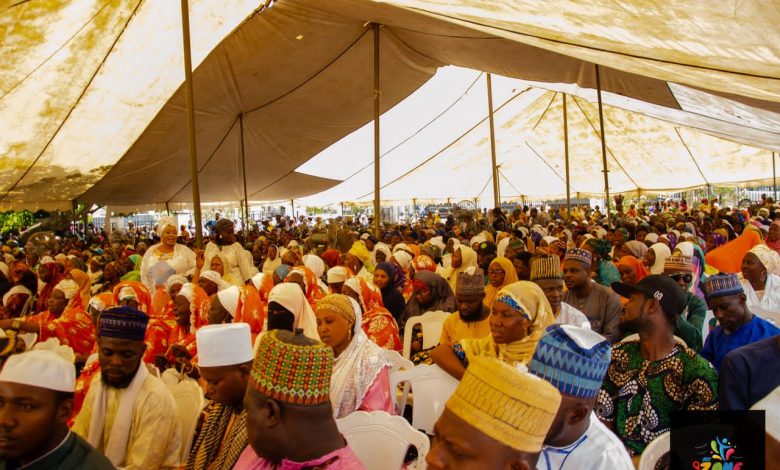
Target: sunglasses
<point>687,278</point>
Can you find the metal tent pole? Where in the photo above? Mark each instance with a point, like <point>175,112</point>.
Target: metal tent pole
<point>607,204</point>
<point>774,175</point>
<point>566,156</point>
<point>377,208</point>
<point>494,168</point>
<point>185,25</point>
<point>243,171</point>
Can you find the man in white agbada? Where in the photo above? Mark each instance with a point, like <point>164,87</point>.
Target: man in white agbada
<point>575,360</point>
<point>129,414</point>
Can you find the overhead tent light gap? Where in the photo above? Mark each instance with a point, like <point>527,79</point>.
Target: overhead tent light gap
<point>608,149</point>
<point>313,76</point>
<point>203,167</point>
<point>687,149</point>
<point>56,51</point>
<point>454,19</point>
<point>437,154</point>
<point>418,131</point>
<point>76,102</point>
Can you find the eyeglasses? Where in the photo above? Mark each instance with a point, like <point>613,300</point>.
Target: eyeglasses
<point>495,272</point>
<point>687,278</point>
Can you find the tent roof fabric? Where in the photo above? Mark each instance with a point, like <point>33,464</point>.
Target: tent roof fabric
<point>92,104</point>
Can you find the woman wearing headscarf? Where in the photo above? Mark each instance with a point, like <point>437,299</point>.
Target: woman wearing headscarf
<point>65,319</point>
<point>240,264</point>
<point>332,257</point>
<point>381,253</point>
<point>384,279</point>
<point>82,280</point>
<point>133,263</point>
<point>760,280</point>
<point>728,258</point>
<point>238,305</point>
<point>419,263</point>
<point>192,305</point>
<point>361,374</point>
<point>288,310</point>
<point>518,318</point>
<point>773,239</point>
<point>656,257</point>
<point>377,323</point>
<point>501,273</point>
<point>606,272</point>
<point>272,261</point>
<point>305,278</point>
<point>50,275</point>
<point>165,258</point>
<point>219,264</point>
<point>631,269</point>
<point>318,267</point>
<point>462,258</point>
<point>431,293</point>
<point>635,249</point>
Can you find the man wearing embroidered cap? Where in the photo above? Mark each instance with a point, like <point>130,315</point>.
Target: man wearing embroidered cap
<point>737,326</point>
<point>546,273</point>
<point>36,401</point>
<point>597,302</point>
<point>129,414</point>
<point>498,417</point>
<point>691,321</point>
<point>290,420</point>
<point>653,375</point>
<point>472,318</point>
<point>225,354</point>
<point>574,360</point>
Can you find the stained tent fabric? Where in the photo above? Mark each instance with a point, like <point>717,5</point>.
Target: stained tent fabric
<point>298,77</point>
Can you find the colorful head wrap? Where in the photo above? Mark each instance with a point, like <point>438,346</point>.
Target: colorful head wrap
<point>339,304</point>
<point>360,251</point>
<point>423,263</point>
<point>123,323</point>
<point>546,267</point>
<point>296,374</point>
<point>722,285</point>
<point>572,359</point>
<point>580,255</point>
<point>512,407</point>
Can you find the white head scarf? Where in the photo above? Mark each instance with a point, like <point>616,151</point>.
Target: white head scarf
<point>768,257</point>
<point>501,247</point>
<point>164,222</point>
<point>316,264</point>
<point>19,289</point>
<point>403,258</point>
<point>661,253</point>
<point>229,299</point>
<point>214,277</point>
<point>384,249</point>
<point>290,296</point>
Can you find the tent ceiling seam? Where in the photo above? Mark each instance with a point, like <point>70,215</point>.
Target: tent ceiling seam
<point>202,167</point>
<point>507,180</point>
<point>592,48</point>
<point>609,150</point>
<point>435,155</point>
<point>541,116</point>
<point>546,163</point>
<point>484,187</point>
<point>417,132</point>
<point>78,100</point>
<point>49,57</point>
<point>687,149</point>
<point>313,76</point>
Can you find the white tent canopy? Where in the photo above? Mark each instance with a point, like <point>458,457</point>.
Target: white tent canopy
<point>93,108</point>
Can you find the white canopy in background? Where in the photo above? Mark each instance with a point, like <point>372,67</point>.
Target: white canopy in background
<point>91,99</point>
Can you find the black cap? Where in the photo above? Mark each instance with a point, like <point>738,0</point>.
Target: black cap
<point>664,288</point>
<point>487,248</point>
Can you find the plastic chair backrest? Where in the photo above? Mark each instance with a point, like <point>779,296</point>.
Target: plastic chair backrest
<point>705,329</point>
<point>431,324</point>
<point>397,364</point>
<point>381,440</point>
<point>432,387</point>
<point>189,402</point>
<point>654,451</point>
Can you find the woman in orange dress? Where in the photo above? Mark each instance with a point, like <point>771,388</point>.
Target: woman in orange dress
<point>377,322</point>
<point>191,307</point>
<point>306,278</point>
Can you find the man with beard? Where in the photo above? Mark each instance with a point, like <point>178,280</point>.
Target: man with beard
<point>129,414</point>
<point>574,360</point>
<point>598,303</point>
<point>472,318</point>
<point>546,273</point>
<point>36,400</point>
<point>225,359</point>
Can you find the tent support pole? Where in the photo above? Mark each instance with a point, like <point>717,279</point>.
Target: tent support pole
<point>167,208</point>
<point>607,204</point>
<point>377,208</point>
<point>494,167</point>
<point>245,206</point>
<point>566,156</point>
<point>185,25</point>
<point>774,175</point>
<point>107,223</point>
<point>292,203</point>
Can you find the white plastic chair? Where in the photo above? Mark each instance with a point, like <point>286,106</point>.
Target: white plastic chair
<point>397,364</point>
<point>705,329</point>
<point>381,440</point>
<point>660,446</point>
<point>432,388</point>
<point>431,324</point>
<point>189,402</point>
